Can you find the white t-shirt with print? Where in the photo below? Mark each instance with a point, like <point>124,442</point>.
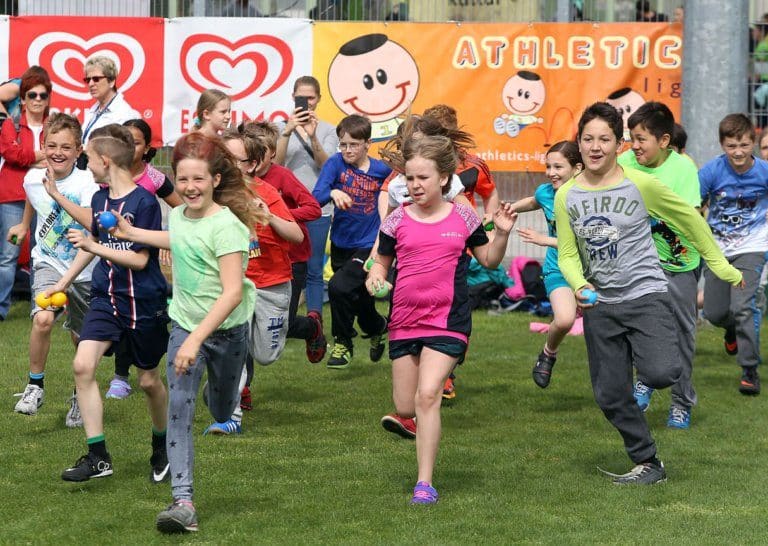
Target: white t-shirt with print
<point>51,244</point>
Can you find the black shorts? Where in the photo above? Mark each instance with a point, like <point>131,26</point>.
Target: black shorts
<point>442,344</point>
<point>144,346</point>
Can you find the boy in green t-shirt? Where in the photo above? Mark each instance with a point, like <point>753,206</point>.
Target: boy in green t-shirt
<point>651,128</point>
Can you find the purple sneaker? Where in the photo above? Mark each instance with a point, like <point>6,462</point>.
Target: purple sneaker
<point>424,493</point>
<point>118,389</point>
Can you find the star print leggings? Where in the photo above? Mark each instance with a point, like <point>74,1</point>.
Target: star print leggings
<point>223,355</point>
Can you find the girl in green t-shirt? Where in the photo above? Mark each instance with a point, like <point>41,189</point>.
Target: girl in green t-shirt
<point>209,237</point>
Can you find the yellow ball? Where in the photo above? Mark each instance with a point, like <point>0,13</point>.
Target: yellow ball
<point>59,299</point>
<point>42,300</point>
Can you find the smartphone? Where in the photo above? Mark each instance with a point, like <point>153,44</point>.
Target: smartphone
<point>301,102</point>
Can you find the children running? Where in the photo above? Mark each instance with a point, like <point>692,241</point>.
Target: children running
<point>735,187</point>
<point>563,162</point>
<point>212,300</point>
<point>605,244</point>
<point>127,302</point>
<point>53,254</point>
<point>430,318</point>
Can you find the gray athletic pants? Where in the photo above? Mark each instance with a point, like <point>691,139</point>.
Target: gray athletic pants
<point>223,356</point>
<point>727,306</point>
<point>683,288</point>
<point>639,332</point>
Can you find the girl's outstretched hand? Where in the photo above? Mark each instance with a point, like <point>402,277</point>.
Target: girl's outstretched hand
<point>504,220</point>
<point>532,236</point>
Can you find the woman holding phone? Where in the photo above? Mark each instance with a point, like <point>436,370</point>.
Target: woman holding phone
<point>304,145</point>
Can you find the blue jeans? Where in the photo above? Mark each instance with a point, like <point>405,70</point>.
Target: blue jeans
<point>318,235</point>
<point>10,215</point>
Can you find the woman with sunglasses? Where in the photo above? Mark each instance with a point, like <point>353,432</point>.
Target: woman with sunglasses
<point>20,149</point>
<point>111,106</point>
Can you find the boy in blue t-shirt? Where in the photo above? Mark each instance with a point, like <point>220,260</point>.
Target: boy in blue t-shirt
<point>735,186</point>
<point>128,302</point>
<point>353,181</point>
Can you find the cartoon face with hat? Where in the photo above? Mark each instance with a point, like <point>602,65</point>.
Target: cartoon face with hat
<point>523,95</point>
<point>375,77</point>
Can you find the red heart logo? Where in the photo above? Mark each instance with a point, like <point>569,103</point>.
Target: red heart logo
<point>203,56</point>
<point>64,56</point>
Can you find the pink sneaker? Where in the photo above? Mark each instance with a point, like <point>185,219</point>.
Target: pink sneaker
<point>424,493</point>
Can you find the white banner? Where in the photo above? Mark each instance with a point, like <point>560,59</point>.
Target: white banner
<point>4,40</point>
<point>255,61</point>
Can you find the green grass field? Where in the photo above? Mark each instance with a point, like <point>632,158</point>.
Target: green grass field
<point>313,466</point>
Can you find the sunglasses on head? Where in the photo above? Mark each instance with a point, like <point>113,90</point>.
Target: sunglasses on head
<point>32,95</point>
<point>95,79</point>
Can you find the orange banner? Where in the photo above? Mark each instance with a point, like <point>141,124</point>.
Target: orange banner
<point>518,88</point>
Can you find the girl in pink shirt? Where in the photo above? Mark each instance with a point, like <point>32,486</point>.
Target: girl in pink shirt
<point>430,316</point>
<point>144,174</point>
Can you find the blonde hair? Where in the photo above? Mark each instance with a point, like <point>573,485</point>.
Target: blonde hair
<point>208,101</point>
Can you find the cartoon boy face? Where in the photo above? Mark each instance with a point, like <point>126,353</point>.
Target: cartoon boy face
<point>524,93</point>
<point>626,101</point>
<point>374,77</point>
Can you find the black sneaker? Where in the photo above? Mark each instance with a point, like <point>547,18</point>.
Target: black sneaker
<point>729,342</point>
<point>542,371</point>
<point>750,382</point>
<point>377,344</point>
<point>160,467</point>
<point>643,474</point>
<point>341,356</point>
<point>88,466</point>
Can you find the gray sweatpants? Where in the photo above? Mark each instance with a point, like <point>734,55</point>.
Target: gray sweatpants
<point>639,332</point>
<point>223,356</point>
<point>727,306</point>
<point>683,288</point>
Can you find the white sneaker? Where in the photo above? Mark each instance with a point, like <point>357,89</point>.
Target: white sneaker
<point>73,418</point>
<point>31,399</point>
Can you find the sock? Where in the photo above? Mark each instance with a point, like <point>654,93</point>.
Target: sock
<point>97,445</point>
<point>549,352</point>
<point>158,440</point>
<point>37,379</point>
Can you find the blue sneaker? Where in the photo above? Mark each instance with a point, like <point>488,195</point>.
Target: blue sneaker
<point>643,395</point>
<point>227,427</point>
<point>679,418</point>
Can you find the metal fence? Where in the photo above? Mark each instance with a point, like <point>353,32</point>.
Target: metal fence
<point>358,10</point>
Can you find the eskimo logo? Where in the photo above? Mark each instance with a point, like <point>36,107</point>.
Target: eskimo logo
<point>255,64</point>
<point>65,54</point>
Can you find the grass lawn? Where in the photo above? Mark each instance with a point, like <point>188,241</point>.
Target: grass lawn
<point>313,466</point>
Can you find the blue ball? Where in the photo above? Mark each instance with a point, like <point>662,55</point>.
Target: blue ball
<point>589,295</point>
<point>107,219</point>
